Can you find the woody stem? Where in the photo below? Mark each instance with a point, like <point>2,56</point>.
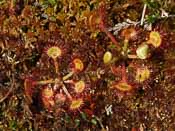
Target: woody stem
<point>109,34</point>
<point>102,25</point>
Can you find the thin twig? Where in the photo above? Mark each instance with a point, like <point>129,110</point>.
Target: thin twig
<point>44,82</point>
<point>99,121</point>
<point>68,76</point>
<point>143,14</point>
<point>66,92</point>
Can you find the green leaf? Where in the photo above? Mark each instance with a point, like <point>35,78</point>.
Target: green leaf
<point>12,125</point>
<point>93,121</point>
<point>52,2</point>
<point>46,3</point>
<point>67,118</point>
<point>142,51</point>
<point>77,122</point>
<point>107,57</point>
<point>152,18</point>
<point>83,115</point>
<point>112,46</point>
<point>152,4</point>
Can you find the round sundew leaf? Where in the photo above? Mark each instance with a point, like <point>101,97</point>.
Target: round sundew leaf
<point>129,33</point>
<point>94,20</point>
<point>142,74</point>
<point>47,92</point>
<point>155,38</point>
<point>78,64</point>
<point>142,51</point>
<point>47,97</point>
<point>79,86</point>
<point>76,104</point>
<point>122,86</point>
<point>107,57</point>
<point>54,52</point>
